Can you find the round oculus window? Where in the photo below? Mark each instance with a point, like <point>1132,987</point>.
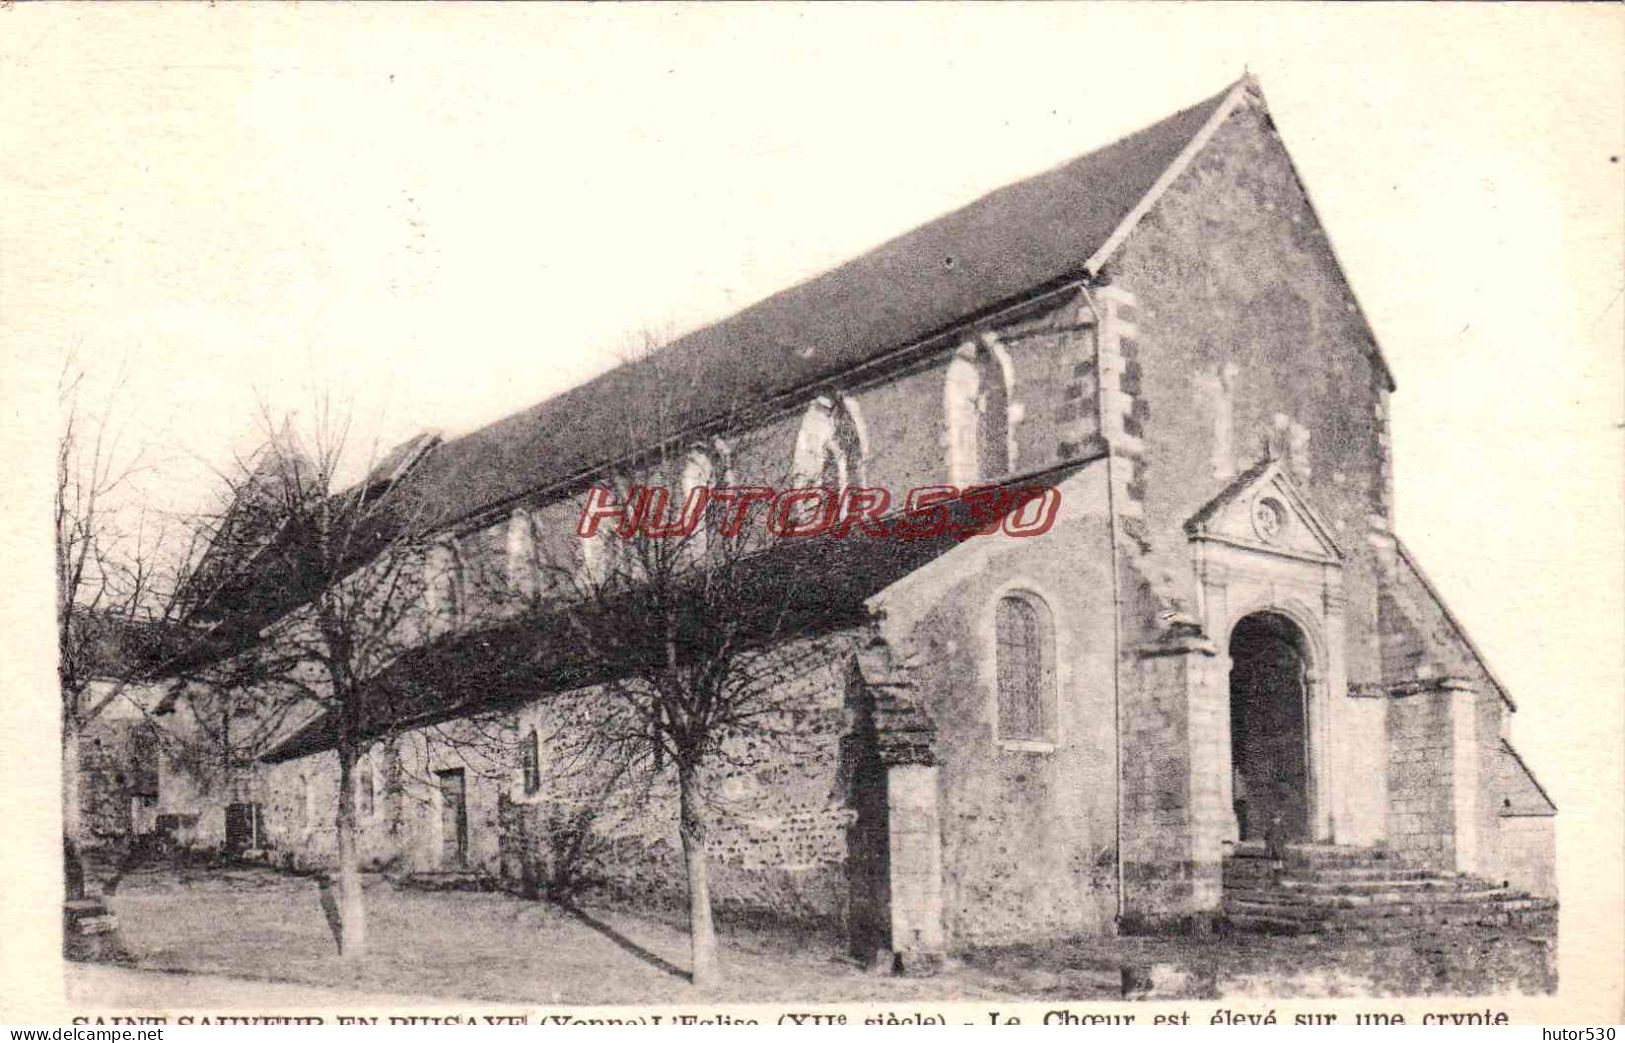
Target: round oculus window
<point>1269,518</point>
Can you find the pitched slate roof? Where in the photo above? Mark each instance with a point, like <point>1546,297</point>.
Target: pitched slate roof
<point>992,252</point>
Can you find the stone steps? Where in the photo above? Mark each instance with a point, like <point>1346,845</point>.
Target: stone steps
<point>1377,900</point>
<point>90,930</point>
<point>1316,854</point>
<point>1409,884</point>
<point>1273,921</point>
<point>1325,889</point>
<point>1327,874</point>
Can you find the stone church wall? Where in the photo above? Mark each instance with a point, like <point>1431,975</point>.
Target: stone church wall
<point>778,839</point>
<point>781,809</point>
<point>1028,830</point>
<point>1249,340</point>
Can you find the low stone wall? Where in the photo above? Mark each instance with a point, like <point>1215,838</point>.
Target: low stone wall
<point>780,809</point>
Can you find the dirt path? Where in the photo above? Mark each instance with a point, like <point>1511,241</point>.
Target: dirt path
<point>261,926</point>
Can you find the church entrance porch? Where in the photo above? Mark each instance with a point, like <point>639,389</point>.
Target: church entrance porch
<point>1270,595</point>
<point>1269,748</point>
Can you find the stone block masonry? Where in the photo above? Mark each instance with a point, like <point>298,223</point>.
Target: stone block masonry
<point>1172,818</point>
<point>1433,777</point>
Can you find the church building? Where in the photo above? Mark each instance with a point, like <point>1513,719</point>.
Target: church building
<point>1222,645</point>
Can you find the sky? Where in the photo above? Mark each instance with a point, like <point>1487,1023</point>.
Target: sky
<point>449,213</point>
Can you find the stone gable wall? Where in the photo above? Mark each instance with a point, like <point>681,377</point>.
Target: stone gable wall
<point>1244,339</point>
<point>1246,331</point>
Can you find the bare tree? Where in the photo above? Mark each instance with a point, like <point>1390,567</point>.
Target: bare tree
<point>115,578</point>
<point>220,717</point>
<point>325,592</point>
<point>683,622</point>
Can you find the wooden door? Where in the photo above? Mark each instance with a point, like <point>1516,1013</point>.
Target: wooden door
<point>453,819</point>
<point>1268,734</point>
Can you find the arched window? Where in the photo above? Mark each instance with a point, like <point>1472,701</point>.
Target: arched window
<point>521,547</point>
<point>532,756</point>
<point>604,558</point>
<point>699,471</point>
<point>976,405</point>
<point>443,583</point>
<point>366,789</point>
<point>1025,656</point>
<point>594,557</point>
<point>829,447</point>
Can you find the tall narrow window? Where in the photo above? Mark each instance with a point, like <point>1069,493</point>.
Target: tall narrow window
<point>829,447</point>
<point>366,789</point>
<point>976,407</point>
<point>532,762</point>
<point>443,584</point>
<point>594,558</point>
<point>1025,669</point>
<point>521,554</point>
<point>142,779</point>
<point>699,472</point>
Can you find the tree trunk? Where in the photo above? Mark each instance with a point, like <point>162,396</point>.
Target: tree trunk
<point>71,796</point>
<point>73,869</point>
<point>352,913</point>
<point>701,930</point>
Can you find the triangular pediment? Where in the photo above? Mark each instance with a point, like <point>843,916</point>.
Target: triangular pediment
<point>1263,509</point>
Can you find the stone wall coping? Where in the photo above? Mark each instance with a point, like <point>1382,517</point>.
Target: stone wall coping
<point>1178,645</point>
<point>1027,745</point>
<point>1431,684</point>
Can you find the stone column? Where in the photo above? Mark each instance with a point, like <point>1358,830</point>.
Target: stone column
<point>1322,820</point>
<point>1174,817</point>
<point>1327,696</point>
<point>1435,773</point>
<point>915,844</point>
<point>903,737</point>
<point>1464,772</point>
<point>1213,608</point>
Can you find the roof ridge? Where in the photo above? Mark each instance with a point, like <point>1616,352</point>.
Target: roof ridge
<point>918,286</point>
<point>1244,89</point>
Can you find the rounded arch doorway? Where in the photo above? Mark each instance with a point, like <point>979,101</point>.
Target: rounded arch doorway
<point>1269,728</point>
